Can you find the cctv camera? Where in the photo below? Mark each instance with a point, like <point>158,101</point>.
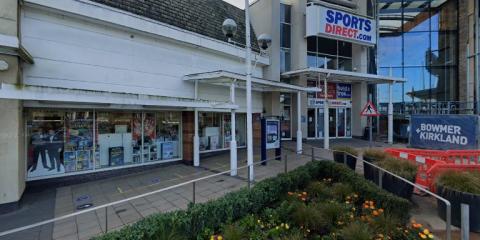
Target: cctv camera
<point>264,41</point>
<point>229,27</point>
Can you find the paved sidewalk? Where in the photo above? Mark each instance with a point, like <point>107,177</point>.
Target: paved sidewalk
<point>61,201</point>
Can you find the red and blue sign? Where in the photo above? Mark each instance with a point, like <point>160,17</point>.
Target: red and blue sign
<point>341,25</point>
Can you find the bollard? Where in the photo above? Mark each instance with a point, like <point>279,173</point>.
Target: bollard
<point>106,219</point>
<point>285,162</point>
<point>313,154</point>
<point>380,177</point>
<point>193,192</point>
<point>465,221</point>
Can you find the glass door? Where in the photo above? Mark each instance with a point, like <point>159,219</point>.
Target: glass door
<point>341,124</point>
<point>332,122</point>
<point>320,128</point>
<point>348,121</point>
<point>311,123</point>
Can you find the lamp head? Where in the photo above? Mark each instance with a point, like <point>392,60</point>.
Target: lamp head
<point>264,41</point>
<point>229,28</point>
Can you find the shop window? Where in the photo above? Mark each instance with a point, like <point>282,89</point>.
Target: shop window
<point>285,114</point>
<point>216,133</point>
<point>168,135</point>
<point>45,137</point>
<point>79,152</point>
<point>118,138</point>
<point>285,37</point>
<point>329,53</point>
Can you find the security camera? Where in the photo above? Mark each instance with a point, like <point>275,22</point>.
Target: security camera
<point>264,41</point>
<point>229,28</point>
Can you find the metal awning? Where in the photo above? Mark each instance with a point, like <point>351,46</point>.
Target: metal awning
<point>226,78</point>
<point>342,76</point>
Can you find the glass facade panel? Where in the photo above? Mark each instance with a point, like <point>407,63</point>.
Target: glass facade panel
<point>78,153</point>
<point>285,37</point>
<point>285,33</point>
<point>419,40</point>
<point>285,64</point>
<point>329,53</point>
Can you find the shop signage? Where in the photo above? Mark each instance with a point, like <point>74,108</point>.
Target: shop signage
<point>444,131</point>
<point>329,22</point>
<point>318,102</point>
<point>341,91</point>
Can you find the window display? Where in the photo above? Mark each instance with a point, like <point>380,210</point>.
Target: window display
<point>73,141</point>
<point>285,113</point>
<point>45,131</point>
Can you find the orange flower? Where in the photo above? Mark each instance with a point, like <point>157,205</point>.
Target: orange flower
<point>290,193</point>
<point>304,199</point>
<point>304,193</point>
<point>380,210</point>
<point>423,236</point>
<point>375,213</point>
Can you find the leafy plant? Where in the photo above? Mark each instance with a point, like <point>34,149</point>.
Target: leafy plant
<point>233,232</point>
<point>346,149</point>
<point>401,167</point>
<point>356,231</point>
<point>464,181</point>
<point>341,190</point>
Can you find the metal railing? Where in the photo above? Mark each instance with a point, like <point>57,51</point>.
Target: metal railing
<point>439,108</point>
<point>126,200</point>
<point>383,171</point>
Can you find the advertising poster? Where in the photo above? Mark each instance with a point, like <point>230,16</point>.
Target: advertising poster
<point>167,150</point>
<point>444,132</point>
<point>149,126</point>
<point>332,91</point>
<point>273,134</point>
<point>115,156</point>
<point>344,91</point>
<point>137,127</point>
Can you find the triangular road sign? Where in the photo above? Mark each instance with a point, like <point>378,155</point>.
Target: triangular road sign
<point>370,110</point>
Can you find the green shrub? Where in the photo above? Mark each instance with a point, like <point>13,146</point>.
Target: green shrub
<point>375,154</point>
<point>401,167</point>
<point>357,231</point>
<point>347,149</point>
<point>201,220</point>
<point>461,181</point>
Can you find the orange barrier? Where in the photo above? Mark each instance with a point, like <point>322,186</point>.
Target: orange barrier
<point>431,162</point>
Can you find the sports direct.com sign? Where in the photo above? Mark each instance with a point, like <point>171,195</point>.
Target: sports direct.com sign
<point>444,131</point>
<point>329,22</point>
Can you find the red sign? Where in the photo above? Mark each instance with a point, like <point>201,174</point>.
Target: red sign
<point>331,91</point>
<point>370,110</point>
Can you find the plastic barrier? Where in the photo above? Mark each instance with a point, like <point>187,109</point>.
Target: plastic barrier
<point>431,162</point>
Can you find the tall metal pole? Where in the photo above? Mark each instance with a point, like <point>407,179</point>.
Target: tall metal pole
<point>326,127</point>
<point>248,65</point>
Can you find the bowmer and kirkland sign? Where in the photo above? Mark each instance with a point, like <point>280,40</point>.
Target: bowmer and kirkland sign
<point>444,131</point>
<point>329,22</point>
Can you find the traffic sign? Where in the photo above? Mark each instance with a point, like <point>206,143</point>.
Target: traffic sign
<point>370,110</point>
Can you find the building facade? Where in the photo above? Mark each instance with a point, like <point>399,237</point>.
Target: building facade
<point>94,88</point>
<point>434,46</point>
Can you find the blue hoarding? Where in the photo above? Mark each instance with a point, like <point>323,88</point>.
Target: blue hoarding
<point>444,131</point>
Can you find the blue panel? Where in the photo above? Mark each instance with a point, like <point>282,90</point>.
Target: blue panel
<point>444,132</point>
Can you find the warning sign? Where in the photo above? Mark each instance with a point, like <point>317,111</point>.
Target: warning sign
<point>370,110</point>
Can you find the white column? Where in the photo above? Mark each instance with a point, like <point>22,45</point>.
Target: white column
<point>390,114</point>
<point>249,91</point>
<point>196,139</point>
<point>196,142</point>
<point>299,122</point>
<point>326,133</point>
<point>233,142</point>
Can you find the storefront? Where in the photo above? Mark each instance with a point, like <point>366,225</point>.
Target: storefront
<point>66,142</point>
<point>340,110</point>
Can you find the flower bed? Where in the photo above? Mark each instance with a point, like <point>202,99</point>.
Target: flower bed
<point>200,221</point>
<point>325,210</point>
<point>458,188</point>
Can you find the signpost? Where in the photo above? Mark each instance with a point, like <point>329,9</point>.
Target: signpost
<point>270,138</point>
<point>370,111</point>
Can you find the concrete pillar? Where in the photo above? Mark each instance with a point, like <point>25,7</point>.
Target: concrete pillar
<point>196,142</point>
<point>326,127</point>
<point>12,142</point>
<point>233,142</point>
<point>299,122</point>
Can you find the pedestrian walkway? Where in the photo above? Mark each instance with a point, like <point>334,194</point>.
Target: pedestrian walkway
<point>65,200</point>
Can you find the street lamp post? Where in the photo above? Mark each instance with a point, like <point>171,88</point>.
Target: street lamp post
<point>248,64</point>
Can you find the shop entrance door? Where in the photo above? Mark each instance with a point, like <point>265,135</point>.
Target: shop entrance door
<point>332,122</point>
<point>311,123</point>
